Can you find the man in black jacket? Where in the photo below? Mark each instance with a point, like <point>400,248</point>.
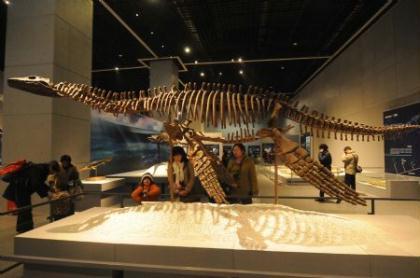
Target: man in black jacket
<point>22,184</point>
<point>325,159</point>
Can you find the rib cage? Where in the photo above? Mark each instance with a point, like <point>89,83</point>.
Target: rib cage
<point>219,105</point>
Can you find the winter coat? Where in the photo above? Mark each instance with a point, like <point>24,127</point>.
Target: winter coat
<point>325,159</point>
<point>351,161</point>
<point>151,193</point>
<point>245,177</point>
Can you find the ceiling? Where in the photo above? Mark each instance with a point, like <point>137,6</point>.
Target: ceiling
<point>222,30</point>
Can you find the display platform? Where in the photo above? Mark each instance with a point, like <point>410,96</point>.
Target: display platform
<point>210,239</point>
<point>387,185</point>
<point>158,171</point>
<point>286,175</point>
<point>99,186</point>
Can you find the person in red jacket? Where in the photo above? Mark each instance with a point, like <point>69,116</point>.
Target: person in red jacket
<point>147,190</point>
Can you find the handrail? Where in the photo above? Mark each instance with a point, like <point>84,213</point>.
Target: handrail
<point>39,204</point>
<point>372,199</point>
<point>10,267</point>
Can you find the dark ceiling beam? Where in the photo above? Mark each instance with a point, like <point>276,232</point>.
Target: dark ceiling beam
<point>365,26</point>
<point>186,15</point>
<point>134,34</point>
<point>266,60</point>
<point>208,63</point>
<point>129,29</point>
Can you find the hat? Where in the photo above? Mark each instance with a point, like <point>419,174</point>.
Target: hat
<point>147,175</point>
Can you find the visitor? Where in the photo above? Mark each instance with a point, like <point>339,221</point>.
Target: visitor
<point>59,189</point>
<point>351,160</point>
<point>325,159</point>
<point>71,175</point>
<point>147,190</point>
<point>182,182</point>
<point>242,169</point>
<point>70,171</point>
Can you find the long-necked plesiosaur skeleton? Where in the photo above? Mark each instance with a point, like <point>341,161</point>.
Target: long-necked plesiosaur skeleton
<point>221,106</point>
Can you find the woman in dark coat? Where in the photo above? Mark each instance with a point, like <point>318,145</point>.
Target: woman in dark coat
<point>324,158</point>
<point>242,169</point>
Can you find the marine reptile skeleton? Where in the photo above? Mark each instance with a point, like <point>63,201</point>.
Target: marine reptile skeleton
<point>221,106</point>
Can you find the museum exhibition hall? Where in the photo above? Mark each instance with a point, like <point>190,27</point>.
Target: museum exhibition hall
<point>209,138</point>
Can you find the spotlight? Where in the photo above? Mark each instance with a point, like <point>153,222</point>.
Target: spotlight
<point>137,14</point>
<point>152,33</point>
<point>295,44</point>
<point>187,49</point>
<point>282,67</point>
<point>241,72</point>
<point>7,2</point>
<point>120,55</point>
<point>116,68</point>
<point>163,46</point>
<point>196,62</point>
<point>240,60</point>
<point>232,60</point>
<point>202,74</point>
<point>220,73</point>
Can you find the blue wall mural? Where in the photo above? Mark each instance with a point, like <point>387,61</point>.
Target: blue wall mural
<point>124,138</point>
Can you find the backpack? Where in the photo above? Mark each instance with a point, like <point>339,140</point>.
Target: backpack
<point>12,167</point>
<point>359,168</point>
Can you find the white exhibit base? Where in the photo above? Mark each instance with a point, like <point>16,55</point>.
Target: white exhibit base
<point>231,240</point>
<point>96,198</point>
<point>158,171</point>
<point>386,185</point>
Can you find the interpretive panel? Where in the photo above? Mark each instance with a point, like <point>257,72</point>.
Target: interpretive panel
<point>402,154</point>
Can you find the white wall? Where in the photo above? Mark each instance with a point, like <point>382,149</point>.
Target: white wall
<point>378,72</point>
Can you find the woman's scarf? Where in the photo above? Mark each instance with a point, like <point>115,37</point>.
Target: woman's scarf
<point>178,171</point>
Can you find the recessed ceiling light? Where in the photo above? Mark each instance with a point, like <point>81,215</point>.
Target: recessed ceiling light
<point>295,43</point>
<point>120,55</point>
<point>152,33</point>
<point>202,74</point>
<point>7,2</point>
<point>116,68</point>
<point>196,62</point>
<point>241,72</point>
<point>240,60</point>
<point>282,67</point>
<point>163,46</point>
<point>220,73</point>
<point>187,49</point>
<point>137,14</point>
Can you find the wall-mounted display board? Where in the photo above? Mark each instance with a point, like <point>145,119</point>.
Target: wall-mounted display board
<point>213,148</point>
<point>268,152</point>
<point>402,154</point>
<point>254,151</point>
<point>227,149</point>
